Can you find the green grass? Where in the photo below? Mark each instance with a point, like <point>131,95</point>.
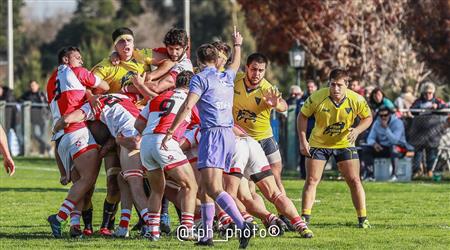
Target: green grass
<point>403,215</point>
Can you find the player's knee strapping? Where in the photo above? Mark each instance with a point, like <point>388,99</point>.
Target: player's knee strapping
<point>132,173</point>
<point>113,171</point>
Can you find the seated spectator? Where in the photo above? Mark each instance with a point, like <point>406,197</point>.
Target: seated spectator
<point>295,93</point>
<point>386,139</point>
<point>355,85</point>
<point>368,91</point>
<point>405,100</point>
<point>427,100</point>
<point>377,99</point>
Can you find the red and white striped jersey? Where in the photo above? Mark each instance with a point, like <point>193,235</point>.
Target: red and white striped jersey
<point>66,91</point>
<point>161,111</point>
<point>118,113</point>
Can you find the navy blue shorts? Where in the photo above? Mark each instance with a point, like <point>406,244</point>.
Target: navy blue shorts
<point>340,154</point>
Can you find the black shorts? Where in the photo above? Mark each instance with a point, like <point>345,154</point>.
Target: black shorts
<point>270,148</point>
<point>269,145</point>
<point>340,154</point>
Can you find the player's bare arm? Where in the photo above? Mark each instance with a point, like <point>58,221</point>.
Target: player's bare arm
<point>139,82</point>
<point>184,111</point>
<point>163,68</point>
<point>362,126</point>
<point>302,123</point>
<point>237,42</point>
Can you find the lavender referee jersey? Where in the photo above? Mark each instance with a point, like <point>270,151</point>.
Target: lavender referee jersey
<point>216,91</point>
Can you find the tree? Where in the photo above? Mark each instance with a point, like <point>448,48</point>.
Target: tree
<point>429,31</point>
<point>363,36</point>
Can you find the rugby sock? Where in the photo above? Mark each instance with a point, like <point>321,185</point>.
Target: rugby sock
<point>125,215</point>
<point>362,215</point>
<point>227,203</point>
<point>270,218</point>
<point>187,219</point>
<point>64,210</point>
<point>87,217</point>
<point>108,210</point>
<point>153,223</point>
<point>224,218</point>
<point>208,211</point>
<point>247,217</point>
<point>75,218</point>
<point>306,213</point>
<point>298,224</point>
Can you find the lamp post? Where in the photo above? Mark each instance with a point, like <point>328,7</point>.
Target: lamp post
<point>297,58</point>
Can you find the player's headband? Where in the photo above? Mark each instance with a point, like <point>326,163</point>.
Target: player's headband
<point>124,37</point>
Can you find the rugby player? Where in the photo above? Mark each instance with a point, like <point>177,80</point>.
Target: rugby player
<point>153,123</point>
<point>119,114</point>
<point>66,91</point>
<point>254,99</point>
<point>213,90</point>
<point>334,109</point>
<point>249,163</point>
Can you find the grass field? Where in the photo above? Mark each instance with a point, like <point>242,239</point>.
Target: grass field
<point>404,216</point>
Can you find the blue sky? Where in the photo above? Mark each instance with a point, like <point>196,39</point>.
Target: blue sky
<point>45,8</point>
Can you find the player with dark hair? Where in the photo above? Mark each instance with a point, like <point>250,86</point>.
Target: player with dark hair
<point>334,108</point>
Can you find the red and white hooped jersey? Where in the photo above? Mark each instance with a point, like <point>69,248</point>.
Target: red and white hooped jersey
<point>161,111</point>
<point>118,113</point>
<point>66,91</point>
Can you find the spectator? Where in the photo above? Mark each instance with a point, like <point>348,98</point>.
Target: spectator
<point>355,85</point>
<point>311,87</point>
<point>377,99</point>
<point>386,140</point>
<point>295,93</point>
<point>368,92</point>
<point>405,100</point>
<point>10,111</point>
<point>427,100</point>
<point>39,115</point>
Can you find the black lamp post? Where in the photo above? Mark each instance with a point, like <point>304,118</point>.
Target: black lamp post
<point>297,58</point>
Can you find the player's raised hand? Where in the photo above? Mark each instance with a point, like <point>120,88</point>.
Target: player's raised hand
<point>9,165</point>
<point>237,37</point>
<point>272,97</point>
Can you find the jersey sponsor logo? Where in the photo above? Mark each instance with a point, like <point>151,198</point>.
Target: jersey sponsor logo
<point>348,110</point>
<point>126,78</point>
<point>325,110</point>
<point>246,115</point>
<point>237,92</point>
<point>258,100</point>
<point>334,129</point>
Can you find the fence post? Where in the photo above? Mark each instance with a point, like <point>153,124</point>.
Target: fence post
<point>3,114</point>
<point>291,139</point>
<point>26,119</point>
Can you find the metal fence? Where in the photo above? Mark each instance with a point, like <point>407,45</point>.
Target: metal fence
<point>28,128</point>
<point>425,128</point>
